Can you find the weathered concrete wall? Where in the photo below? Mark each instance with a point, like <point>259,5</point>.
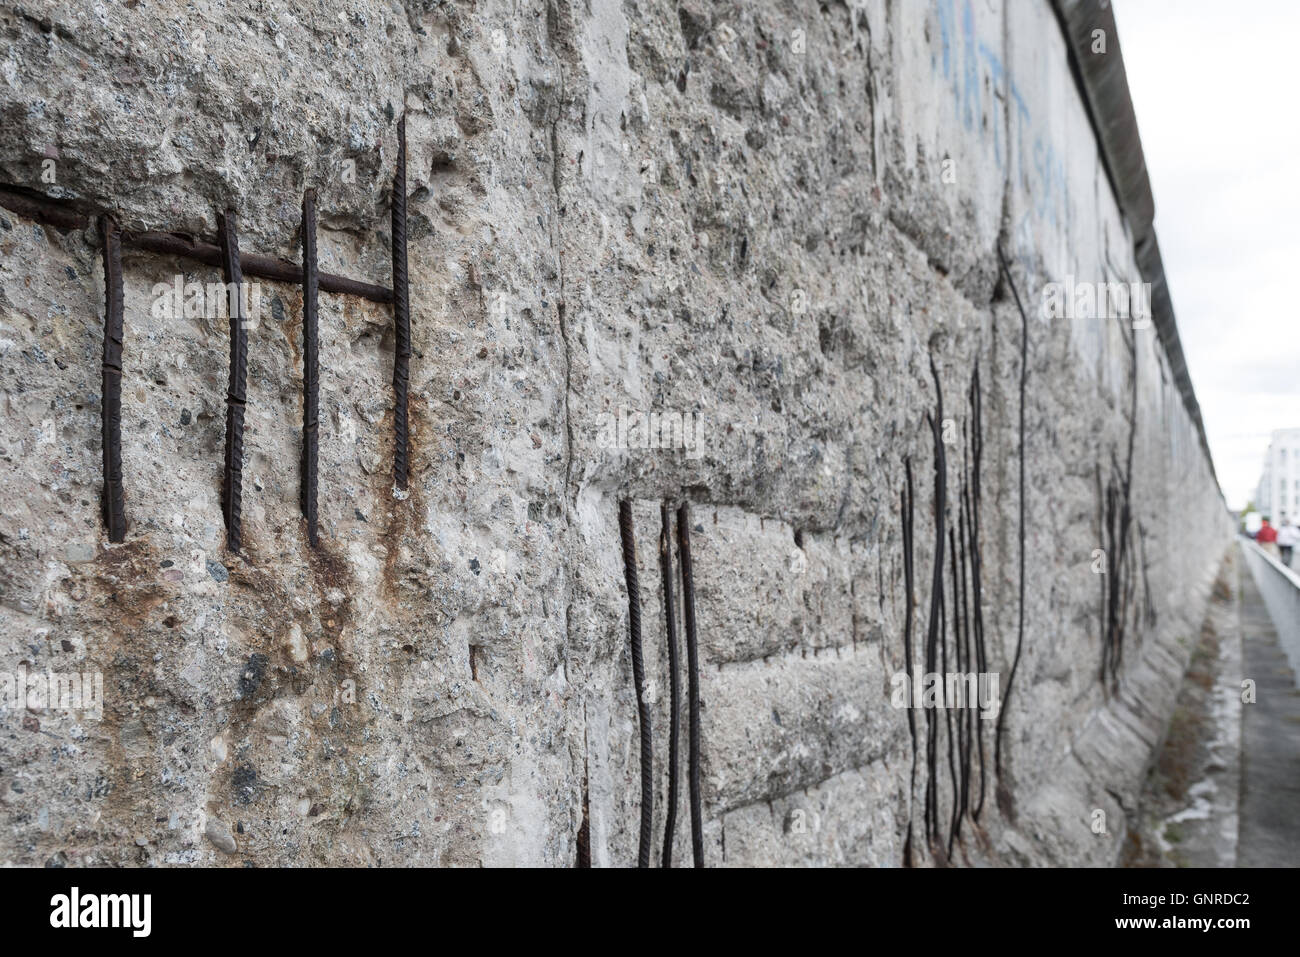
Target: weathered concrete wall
<point>736,210</point>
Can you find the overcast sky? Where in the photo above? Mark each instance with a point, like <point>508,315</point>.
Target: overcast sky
<point>1217,99</point>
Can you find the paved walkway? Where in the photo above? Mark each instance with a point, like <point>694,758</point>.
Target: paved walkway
<point>1269,823</point>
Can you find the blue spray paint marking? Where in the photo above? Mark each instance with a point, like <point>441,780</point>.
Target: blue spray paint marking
<point>944,9</point>
<point>970,75</point>
<point>1045,168</point>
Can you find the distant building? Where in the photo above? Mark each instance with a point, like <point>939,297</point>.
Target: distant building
<point>1279,486</point>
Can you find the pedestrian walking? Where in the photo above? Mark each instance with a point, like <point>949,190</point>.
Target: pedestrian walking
<point>1267,537</point>
<point>1288,537</point>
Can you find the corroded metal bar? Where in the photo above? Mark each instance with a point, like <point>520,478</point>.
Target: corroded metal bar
<point>111,403</point>
<point>42,209</point>
<point>628,535</point>
<point>692,680</point>
<point>310,365</point>
<point>674,684</point>
<point>401,317</point>
<point>906,516</point>
<point>976,555</point>
<point>934,635</point>
<point>253,264</point>
<point>236,393</point>
<point>1004,794</point>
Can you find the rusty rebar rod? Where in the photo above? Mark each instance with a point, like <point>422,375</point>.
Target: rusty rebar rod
<point>946,695</point>
<point>42,209</point>
<point>976,555</point>
<point>692,680</point>
<point>674,683</point>
<point>52,212</point>
<point>935,625</point>
<point>907,518</point>
<point>401,317</point>
<point>111,402</point>
<point>1005,794</point>
<point>628,535</point>
<point>236,393</point>
<point>310,366</point>
<point>252,264</point>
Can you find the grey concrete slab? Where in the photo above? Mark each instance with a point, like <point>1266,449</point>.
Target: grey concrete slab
<point>1270,767</point>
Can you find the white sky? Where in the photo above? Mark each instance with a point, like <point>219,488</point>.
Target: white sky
<point>1218,107</point>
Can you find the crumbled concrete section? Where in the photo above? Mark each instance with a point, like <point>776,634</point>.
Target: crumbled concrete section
<point>775,228</point>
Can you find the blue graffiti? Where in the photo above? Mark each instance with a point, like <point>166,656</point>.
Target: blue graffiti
<point>944,10</point>
<point>1045,170</point>
<point>970,75</point>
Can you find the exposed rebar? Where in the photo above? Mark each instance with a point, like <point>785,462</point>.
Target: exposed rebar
<point>973,500</point>
<point>111,404</point>
<point>954,819</point>
<point>906,510</point>
<point>401,317</point>
<point>42,209</point>
<point>1121,583</point>
<point>310,367</point>
<point>674,685</point>
<point>1020,626</point>
<point>935,625</point>
<point>638,678</point>
<point>56,213</point>
<point>969,720</point>
<point>186,246</point>
<point>957,559</point>
<point>692,680</point>
<point>236,392</point>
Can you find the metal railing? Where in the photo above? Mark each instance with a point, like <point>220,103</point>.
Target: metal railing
<point>1280,587</point>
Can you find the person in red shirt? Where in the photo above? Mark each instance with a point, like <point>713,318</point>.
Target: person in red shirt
<point>1267,538</point>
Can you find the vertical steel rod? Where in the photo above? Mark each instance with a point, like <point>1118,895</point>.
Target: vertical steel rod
<point>401,316</point>
<point>638,678</point>
<point>310,366</point>
<point>935,627</point>
<point>111,402</point>
<point>692,679</point>
<point>976,557</point>
<point>1020,623</point>
<point>236,393</point>
<point>674,684</point>
<point>909,614</point>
